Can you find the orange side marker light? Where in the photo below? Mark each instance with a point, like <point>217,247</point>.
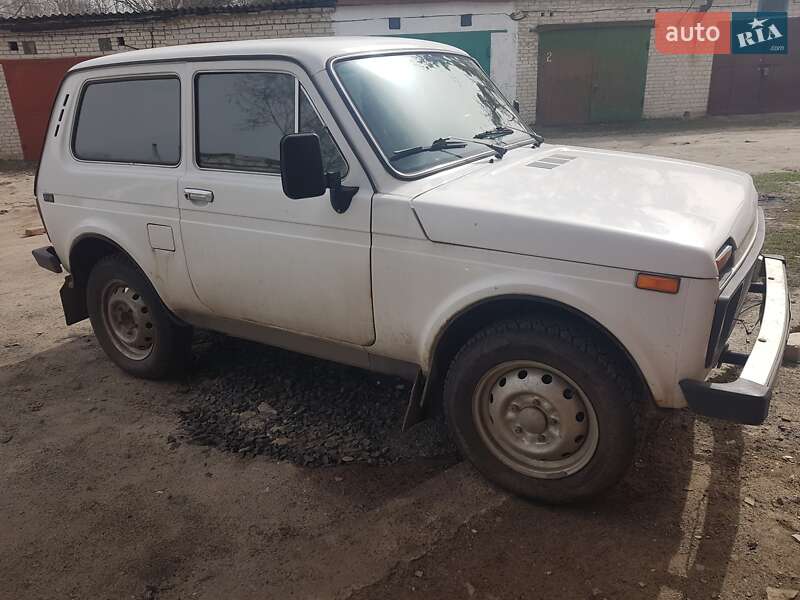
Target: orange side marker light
<point>658,283</point>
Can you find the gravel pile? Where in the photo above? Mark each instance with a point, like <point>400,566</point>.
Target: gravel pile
<point>258,400</point>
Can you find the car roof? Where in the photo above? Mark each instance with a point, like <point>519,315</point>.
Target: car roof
<point>312,53</point>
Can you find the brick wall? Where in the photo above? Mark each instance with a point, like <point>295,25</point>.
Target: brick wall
<point>675,85</point>
<point>83,41</point>
<point>10,147</point>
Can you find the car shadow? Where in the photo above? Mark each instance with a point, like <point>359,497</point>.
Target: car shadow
<point>723,502</point>
<point>686,492</point>
<point>668,530</point>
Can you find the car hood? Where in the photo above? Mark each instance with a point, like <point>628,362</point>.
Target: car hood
<point>606,208</point>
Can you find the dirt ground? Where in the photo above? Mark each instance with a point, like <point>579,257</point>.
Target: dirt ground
<point>751,143</point>
<point>106,493</point>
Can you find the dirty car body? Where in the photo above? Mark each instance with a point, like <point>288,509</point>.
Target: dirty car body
<point>378,202</point>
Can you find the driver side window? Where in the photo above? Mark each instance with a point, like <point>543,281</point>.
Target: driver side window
<point>241,118</point>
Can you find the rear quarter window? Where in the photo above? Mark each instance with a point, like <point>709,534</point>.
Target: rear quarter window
<point>130,121</point>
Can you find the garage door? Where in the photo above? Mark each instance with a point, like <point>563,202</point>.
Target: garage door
<point>757,83</point>
<point>592,75</point>
<point>477,44</point>
<point>32,85</point>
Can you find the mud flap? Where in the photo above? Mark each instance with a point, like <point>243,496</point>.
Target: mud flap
<point>415,411</point>
<point>73,301</point>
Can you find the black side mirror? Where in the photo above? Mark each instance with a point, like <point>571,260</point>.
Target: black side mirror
<point>516,106</point>
<point>302,174</point>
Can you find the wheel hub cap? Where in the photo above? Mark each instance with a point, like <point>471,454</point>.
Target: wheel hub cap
<point>535,419</point>
<point>128,320</point>
<point>532,420</point>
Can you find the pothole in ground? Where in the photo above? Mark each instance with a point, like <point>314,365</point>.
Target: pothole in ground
<point>258,400</point>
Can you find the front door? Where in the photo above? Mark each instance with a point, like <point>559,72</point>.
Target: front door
<point>254,254</point>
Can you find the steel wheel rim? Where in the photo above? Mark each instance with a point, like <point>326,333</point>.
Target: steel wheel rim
<point>128,320</point>
<point>535,419</point>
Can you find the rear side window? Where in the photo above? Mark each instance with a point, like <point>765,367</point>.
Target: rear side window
<point>241,118</point>
<point>130,121</point>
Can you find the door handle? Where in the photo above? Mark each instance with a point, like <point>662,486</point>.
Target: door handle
<point>196,196</point>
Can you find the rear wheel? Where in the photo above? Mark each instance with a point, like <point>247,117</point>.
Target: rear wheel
<point>542,407</point>
<point>131,323</point>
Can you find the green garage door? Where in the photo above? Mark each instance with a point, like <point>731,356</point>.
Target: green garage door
<point>592,75</point>
<point>477,43</point>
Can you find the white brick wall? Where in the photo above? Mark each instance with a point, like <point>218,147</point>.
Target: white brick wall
<point>83,41</point>
<point>10,146</point>
<point>677,85</point>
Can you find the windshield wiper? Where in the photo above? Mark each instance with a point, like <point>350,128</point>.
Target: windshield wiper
<point>446,143</point>
<point>439,144</point>
<point>498,150</point>
<point>492,133</point>
<point>506,130</point>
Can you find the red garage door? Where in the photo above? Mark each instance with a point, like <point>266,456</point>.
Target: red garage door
<point>757,83</point>
<point>32,84</point>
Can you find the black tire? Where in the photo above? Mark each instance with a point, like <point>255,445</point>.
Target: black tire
<point>580,355</point>
<point>170,341</point>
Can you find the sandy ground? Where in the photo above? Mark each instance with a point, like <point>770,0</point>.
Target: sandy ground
<point>751,143</point>
<point>101,496</point>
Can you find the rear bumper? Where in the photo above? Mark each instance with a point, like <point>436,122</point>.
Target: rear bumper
<point>73,299</point>
<point>746,400</point>
<point>47,258</point>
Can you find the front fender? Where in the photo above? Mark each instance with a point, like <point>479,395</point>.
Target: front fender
<point>647,325</point>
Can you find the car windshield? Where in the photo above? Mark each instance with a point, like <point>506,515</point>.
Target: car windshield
<point>410,101</point>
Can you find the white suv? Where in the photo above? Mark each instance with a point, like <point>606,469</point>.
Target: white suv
<point>378,202</point>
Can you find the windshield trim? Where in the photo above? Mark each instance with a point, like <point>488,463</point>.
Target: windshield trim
<point>362,125</point>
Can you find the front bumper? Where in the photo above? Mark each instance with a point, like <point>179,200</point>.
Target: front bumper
<point>746,400</point>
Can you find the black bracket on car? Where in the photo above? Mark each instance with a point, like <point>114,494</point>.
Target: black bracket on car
<point>341,195</point>
<point>416,410</point>
<point>47,258</point>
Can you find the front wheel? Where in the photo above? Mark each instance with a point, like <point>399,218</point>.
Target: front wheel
<point>541,406</point>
